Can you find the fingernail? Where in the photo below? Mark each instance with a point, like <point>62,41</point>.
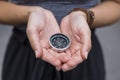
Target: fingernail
<point>58,68</point>
<point>86,54</point>
<point>37,54</point>
<point>64,68</point>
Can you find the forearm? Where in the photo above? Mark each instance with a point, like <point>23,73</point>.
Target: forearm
<point>106,13</point>
<point>14,14</point>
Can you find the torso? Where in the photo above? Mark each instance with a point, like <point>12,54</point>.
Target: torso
<point>60,8</point>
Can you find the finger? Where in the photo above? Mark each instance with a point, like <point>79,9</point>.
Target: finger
<point>33,31</point>
<point>50,58</point>
<point>34,41</point>
<point>45,44</point>
<point>54,53</point>
<point>64,58</point>
<point>68,52</point>
<point>86,44</point>
<point>75,47</point>
<point>73,62</point>
<point>58,68</point>
<point>67,68</point>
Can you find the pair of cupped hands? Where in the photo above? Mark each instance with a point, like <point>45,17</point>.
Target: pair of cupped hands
<point>42,24</point>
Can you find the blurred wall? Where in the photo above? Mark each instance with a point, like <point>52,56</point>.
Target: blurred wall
<point>5,32</point>
<point>110,42</point>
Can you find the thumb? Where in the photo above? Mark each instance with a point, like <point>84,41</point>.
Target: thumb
<point>33,37</point>
<point>86,45</point>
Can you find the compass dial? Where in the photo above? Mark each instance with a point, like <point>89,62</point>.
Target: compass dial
<point>59,42</point>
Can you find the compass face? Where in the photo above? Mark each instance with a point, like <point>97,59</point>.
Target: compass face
<point>59,42</point>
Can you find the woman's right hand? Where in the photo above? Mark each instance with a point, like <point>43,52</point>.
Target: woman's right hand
<point>41,25</point>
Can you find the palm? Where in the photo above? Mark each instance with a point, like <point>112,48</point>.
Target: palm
<point>41,26</point>
<point>77,29</point>
<point>75,38</point>
<point>50,28</point>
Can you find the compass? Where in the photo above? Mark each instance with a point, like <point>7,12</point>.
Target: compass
<point>59,42</point>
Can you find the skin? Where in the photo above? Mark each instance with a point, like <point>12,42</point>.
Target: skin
<point>39,32</point>
<point>80,37</point>
<point>80,34</point>
<point>40,28</point>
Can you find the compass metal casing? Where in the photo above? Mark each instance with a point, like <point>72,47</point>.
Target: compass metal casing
<point>59,42</point>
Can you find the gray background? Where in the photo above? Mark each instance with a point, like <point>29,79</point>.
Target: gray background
<point>108,36</point>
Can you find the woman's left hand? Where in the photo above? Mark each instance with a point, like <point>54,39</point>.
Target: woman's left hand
<point>75,26</point>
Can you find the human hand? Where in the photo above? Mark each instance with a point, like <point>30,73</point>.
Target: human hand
<point>75,26</point>
<point>41,25</point>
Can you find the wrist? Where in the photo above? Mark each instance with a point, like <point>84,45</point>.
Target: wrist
<point>35,9</point>
<point>88,14</point>
<point>82,14</point>
<point>30,10</point>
